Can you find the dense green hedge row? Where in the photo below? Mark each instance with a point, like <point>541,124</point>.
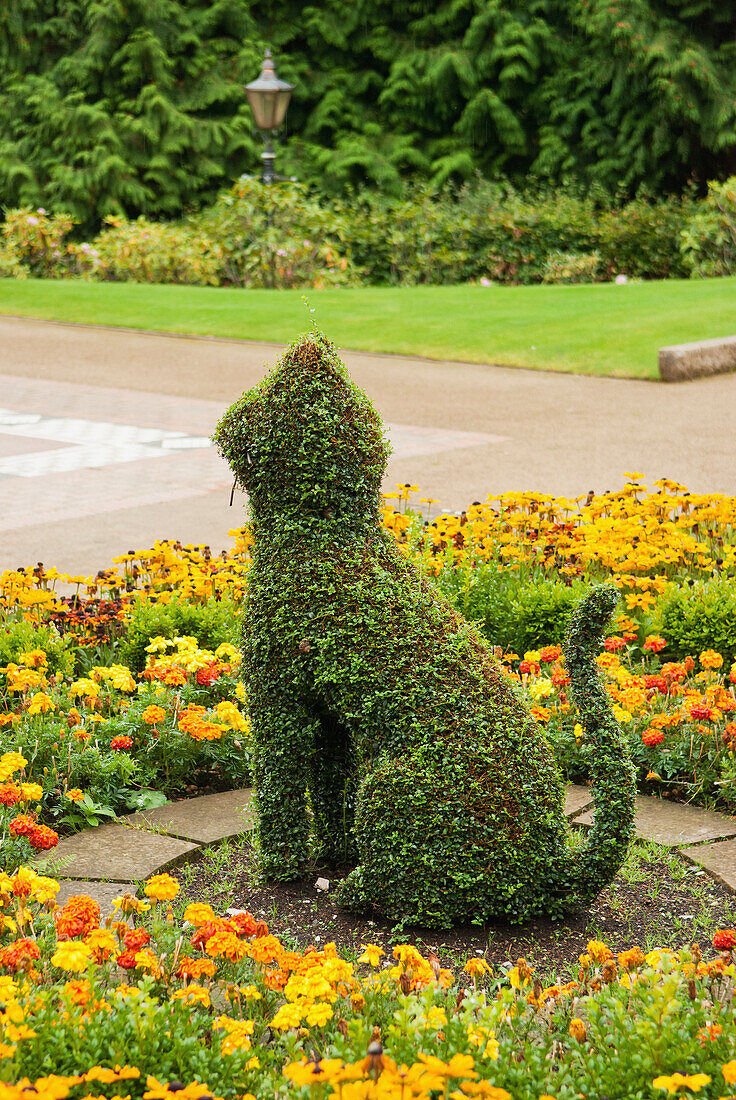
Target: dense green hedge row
<point>284,236</point>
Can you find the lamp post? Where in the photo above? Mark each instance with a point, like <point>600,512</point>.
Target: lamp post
<point>268,97</point>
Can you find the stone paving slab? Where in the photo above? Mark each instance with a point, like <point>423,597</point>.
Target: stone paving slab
<point>104,893</point>
<point>116,854</point>
<point>203,820</point>
<point>577,799</point>
<point>673,824</point>
<point>719,860</point>
<point>107,861</point>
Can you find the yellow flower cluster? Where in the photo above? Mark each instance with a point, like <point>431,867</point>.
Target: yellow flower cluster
<point>439,1039</point>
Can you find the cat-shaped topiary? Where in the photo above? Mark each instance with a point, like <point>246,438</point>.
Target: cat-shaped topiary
<point>366,689</point>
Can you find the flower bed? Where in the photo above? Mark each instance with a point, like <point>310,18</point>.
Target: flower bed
<point>124,691</point>
<point>168,998</point>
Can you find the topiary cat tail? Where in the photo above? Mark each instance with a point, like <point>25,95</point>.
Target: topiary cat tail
<point>612,773</point>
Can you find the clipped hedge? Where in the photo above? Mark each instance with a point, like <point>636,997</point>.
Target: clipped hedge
<point>700,616</point>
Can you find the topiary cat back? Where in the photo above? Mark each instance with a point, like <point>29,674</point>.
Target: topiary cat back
<point>386,733</point>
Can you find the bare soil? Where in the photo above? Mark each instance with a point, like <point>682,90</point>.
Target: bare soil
<point>657,899</point>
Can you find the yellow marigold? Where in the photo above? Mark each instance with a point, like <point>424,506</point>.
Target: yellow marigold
<point>41,703</point>
<point>289,1015</point>
<point>72,955</point>
<point>477,968</point>
<point>103,944</point>
<point>318,1014</point>
<point>577,1029</point>
<point>371,954</point>
<point>198,912</point>
<point>127,903</point>
<point>729,1073</point>
<point>162,887</point>
<point>11,762</point>
<point>86,687</point>
<point>193,994</point>
<point>693,1082</point>
<point>599,952</point>
<point>710,659</point>
<point>31,792</point>
<point>75,795</point>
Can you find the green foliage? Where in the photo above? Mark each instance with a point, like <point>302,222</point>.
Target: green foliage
<point>571,267</point>
<point>211,623</point>
<point>709,237</point>
<point>276,236</point>
<point>144,251</point>
<point>138,108</point>
<point>365,687</point>
<point>699,616</point>
<point>20,637</point>
<point>513,612</point>
<point>282,236</point>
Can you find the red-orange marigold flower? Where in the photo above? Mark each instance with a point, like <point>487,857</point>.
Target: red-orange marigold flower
<point>724,939</point>
<point>9,794</point>
<point>22,825</point>
<point>136,939</point>
<point>42,838</point>
<point>652,737</point>
<point>121,742</point>
<point>19,955</point>
<point>77,917</point>
<point>245,924</point>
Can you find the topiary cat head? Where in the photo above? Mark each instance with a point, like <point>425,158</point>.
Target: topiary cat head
<point>306,443</point>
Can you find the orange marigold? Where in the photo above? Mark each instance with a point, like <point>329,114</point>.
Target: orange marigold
<point>19,955</point>
<point>77,917</point>
<point>153,714</point>
<point>42,838</point>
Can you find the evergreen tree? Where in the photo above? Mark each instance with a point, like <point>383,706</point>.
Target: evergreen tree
<point>131,106</point>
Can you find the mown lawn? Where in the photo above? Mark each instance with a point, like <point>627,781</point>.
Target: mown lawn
<point>602,329</point>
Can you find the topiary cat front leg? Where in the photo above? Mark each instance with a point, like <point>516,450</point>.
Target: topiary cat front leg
<point>332,790</point>
<point>284,735</point>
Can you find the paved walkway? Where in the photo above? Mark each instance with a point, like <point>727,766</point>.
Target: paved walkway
<point>112,859</point>
<point>104,435</point>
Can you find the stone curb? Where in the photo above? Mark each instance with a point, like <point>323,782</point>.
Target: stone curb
<point>682,362</point>
<point>109,860</point>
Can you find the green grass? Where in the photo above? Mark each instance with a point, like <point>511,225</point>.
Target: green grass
<point>601,329</point>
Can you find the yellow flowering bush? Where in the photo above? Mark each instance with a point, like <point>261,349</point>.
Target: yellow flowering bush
<point>144,1005</point>
<point>115,700</point>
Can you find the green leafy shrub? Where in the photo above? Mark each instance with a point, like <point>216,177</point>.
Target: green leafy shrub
<point>276,236</point>
<point>709,237</point>
<point>211,623</point>
<point>699,616</point>
<point>368,689</point>
<point>37,240</point>
<point>571,267</point>
<point>513,612</point>
<point>11,264</point>
<point>144,251</point>
<point>641,238</point>
<point>19,637</point>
